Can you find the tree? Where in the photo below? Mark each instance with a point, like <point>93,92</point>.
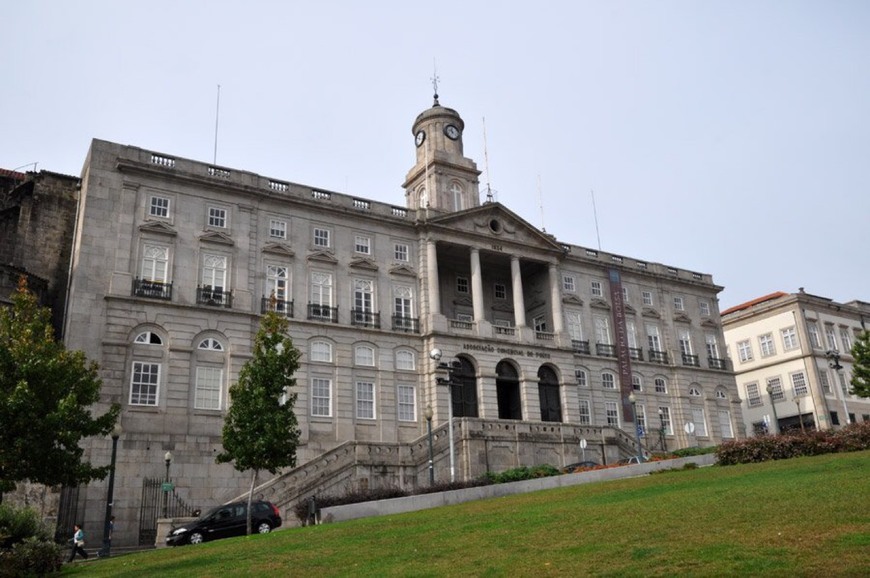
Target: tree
<point>261,431</point>
<point>861,367</point>
<point>45,398</point>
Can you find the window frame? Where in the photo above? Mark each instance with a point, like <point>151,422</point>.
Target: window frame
<point>201,388</point>
<point>364,396</point>
<point>152,206</point>
<point>217,217</point>
<point>155,369</point>
<point>410,408</point>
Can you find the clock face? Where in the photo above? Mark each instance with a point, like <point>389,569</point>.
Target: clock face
<point>451,131</point>
<point>421,136</point>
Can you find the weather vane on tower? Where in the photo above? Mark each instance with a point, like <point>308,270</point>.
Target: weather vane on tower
<point>435,81</point>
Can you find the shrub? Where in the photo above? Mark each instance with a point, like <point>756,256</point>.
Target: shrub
<point>694,451</point>
<point>31,557</point>
<point>301,509</point>
<point>16,525</point>
<point>523,473</point>
<point>854,437</point>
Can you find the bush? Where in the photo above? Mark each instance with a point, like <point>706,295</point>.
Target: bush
<point>523,473</point>
<point>695,451</point>
<point>854,437</point>
<point>31,557</point>
<point>16,525</point>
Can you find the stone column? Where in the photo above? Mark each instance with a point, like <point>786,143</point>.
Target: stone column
<point>517,283</point>
<point>476,285</point>
<point>432,274</point>
<point>556,300</point>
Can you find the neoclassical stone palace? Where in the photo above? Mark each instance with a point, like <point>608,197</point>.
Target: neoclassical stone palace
<point>546,343</point>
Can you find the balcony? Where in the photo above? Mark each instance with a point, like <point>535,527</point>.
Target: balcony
<point>717,363</point>
<point>283,308</point>
<point>152,289</point>
<point>365,319</point>
<point>658,356</point>
<point>322,313</point>
<point>605,350</point>
<point>545,336</point>
<point>406,324</point>
<point>691,360</point>
<point>460,324</point>
<point>580,346</point>
<point>214,296</point>
<point>635,353</point>
<point>504,331</point>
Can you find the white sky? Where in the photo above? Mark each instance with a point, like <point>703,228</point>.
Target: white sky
<point>725,137</point>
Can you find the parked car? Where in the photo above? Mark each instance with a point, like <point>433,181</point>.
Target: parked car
<point>570,468</point>
<point>631,460</point>
<point>227,521</point>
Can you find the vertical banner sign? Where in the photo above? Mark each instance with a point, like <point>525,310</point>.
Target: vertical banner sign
<point>622,354</point>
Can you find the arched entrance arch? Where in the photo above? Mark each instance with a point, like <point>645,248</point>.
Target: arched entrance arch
<point>464,389</point>
<point>507,385</point>
<point>548,390</point>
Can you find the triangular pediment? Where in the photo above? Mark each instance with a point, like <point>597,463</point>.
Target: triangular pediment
<point>709,323</point>
<point>572,299</point>
<point>599,303</point>
<point>498,224</point>
<point>216,237</point>
<point>650,312</point>
<point>462,301</point>
<point>682,318</point>
<point>323,257</point>
<point>278,249</point>
<point>402,270</point>
<point>157,227</point>
<point>364,263</point>
<point>502,306</point>
<point>629,309</point>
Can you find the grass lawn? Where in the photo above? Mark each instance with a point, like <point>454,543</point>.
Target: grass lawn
<point>799,517</point>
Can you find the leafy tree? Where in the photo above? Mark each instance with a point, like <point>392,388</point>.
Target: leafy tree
<point>45,396</point>
<point>261,431</point>
<point>861,367</point>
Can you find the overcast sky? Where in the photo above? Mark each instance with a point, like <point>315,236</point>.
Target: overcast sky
<point>724,137</point>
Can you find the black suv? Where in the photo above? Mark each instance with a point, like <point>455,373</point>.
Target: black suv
<point>227,521</point>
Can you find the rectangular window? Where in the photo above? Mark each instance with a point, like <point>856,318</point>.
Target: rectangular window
<point>602,330</point>
<point>574,325</point>
<point>846,339</point>
<point>321,397</point>
<point>462,284</point>
<point>661,385</point>
<point>813,330</point>
<point>647,298</point>
<point>208,388</point>
<point>155,263</point>
<point>585,413</point>
<point>789,339</point>
<point>217,217</point>
<point>824,381</point>
<point>678,303</point>
<point>214,271</point>
<point>321,238</point>
<point>631,334</point>
<point>652,337</point>
<point>712,346</point>
<point>581,378</point>
<point>665,415</point>
<point>831,337</point>
<point>765,343</point>
<point>363,295</point>
<point>700,421</point>
<point>612,413</point>
<point>500,291</point>
<point>799,383</point>
<point>321,289</point>
<point>774,388</point>
<point>400,252</point>
<point>540,323</point>
<point>625,294</point>
<point>744,351</point>
<point>641,416</point>
<point>159,207</point>
<point>725,424</point>
<point>407,403</point>
<point>144,384</point>
<point>753,395</point>
<point>277,283</point>
<point>568,283</point>
<point>596,289</point>
<point>365,400</point>
<point>704,308</point>
<point>685,340</point>
<point>277,229</point>
<point>403,302</point>
<point>362,245</point>
<point>607,381</point>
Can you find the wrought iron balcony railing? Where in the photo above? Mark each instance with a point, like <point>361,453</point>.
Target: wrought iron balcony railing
<point>284,308</point>
<point>365,319</point>
<point>214,296</point>
<point>322,313</point>
<point>153,289</point>
<point>407,324</point>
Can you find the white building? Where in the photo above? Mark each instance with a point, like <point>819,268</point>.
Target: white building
<point>174,261</point>
<point>786,349</point>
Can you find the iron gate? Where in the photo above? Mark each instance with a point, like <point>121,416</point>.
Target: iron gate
<point>157,503</point>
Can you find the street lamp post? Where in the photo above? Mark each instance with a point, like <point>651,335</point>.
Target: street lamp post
<point>110,496</point>
<point>435,354</point>
<point>167,457</point>
<point>773,406</point>
<point>428,414</point>
<point>633,400</point>
<point>834,363</point>
<point>662,429</point>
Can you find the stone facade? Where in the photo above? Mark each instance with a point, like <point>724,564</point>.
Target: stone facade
<point>783,341</point>
<point>175,260</point>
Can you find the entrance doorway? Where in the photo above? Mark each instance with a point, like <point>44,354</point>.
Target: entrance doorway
<point>548,390</point>
<point>507,386</point>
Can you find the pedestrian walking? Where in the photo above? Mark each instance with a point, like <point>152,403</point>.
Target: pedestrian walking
<point>78,544</point>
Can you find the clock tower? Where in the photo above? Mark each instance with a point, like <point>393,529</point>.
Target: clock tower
<point>442,179</point>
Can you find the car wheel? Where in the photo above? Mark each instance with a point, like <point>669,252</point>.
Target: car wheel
<point>264,528</point>
<point>197,538</point>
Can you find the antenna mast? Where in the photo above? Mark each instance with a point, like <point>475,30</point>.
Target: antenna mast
<point>216,116</point>
<point>595,213</point>
<point>489,191</point>
<point>541,204</point>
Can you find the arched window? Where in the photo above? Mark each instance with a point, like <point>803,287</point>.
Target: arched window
<point>321,351</point>
<point>661,385</point>
<point>608,381</point>
<point>148,338</point>
<point>456,190</point>
<point>720,394</point>
<point>694,391</point>
<point>210,344</point>
<point>405,360</point>
<point>636,383</point>
<point>364,355</point>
